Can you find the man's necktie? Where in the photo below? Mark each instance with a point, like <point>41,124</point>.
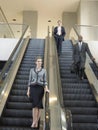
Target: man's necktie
<point>80,45</point>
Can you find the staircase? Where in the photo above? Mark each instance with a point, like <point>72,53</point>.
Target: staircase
<point>17,114</point>
<point>77,94</point>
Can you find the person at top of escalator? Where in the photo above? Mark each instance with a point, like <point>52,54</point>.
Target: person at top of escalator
<point>79,56</point>
<point>59,34</point>
<point>36,86</point>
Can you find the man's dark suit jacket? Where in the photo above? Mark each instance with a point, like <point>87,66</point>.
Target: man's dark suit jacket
<point>62,32</point>
<point>80,56</point>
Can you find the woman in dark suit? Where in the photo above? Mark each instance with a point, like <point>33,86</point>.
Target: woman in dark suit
<point>79,55</point>
<point>36,86</point>
<point>59,34</point>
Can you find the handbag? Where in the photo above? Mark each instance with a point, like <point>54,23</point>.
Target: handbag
<point>73,68</point>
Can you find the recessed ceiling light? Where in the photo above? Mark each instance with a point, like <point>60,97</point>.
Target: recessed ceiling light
<point>49,20</point>
<point>14,19</point>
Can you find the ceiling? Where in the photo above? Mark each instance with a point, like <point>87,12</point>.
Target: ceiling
<point>13,8</point>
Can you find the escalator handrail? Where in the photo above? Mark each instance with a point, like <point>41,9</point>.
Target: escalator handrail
<point>95,63</point>
<point>47,110</point>
<point>12,54</point>
<point>67,112</point>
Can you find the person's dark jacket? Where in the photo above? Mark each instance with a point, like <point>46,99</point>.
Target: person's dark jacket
<point>63,33</point>
<point>81,55</point>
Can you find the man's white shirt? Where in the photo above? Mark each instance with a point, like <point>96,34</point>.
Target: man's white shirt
<point>59,30</point>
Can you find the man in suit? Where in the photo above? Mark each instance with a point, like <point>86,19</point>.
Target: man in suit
<point>59,33</point>
<point>79,56</point>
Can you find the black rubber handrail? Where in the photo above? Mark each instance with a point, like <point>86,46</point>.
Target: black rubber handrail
<point>47,110</point>
<point>11,56</point>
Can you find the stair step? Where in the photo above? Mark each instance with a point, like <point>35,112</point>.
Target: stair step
<point>74,80</point>
<point>76,90</point>
<point>18,98</point>
<point>84,118</point>
<point>78,103</point>
<point>84,110</point>
<point>85,126</point>
<point>8,121</point>
<point>20,86</point>
<point>18,92</point>
<point>15,128</point>
<point>18,113</point>
<point>75,85</point>
<point>81,97</point>
<point>19,105</point>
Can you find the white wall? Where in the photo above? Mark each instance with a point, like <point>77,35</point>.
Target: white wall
<point>87,15</point>
<point>43,23</point>
<point>93,46</point>
<point>6,47</point>
<point>31,18</point>
<point>69,20</point>
<point>89,12</point>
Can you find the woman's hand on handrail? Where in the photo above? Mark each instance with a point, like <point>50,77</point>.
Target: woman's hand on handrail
<point>46,89</point>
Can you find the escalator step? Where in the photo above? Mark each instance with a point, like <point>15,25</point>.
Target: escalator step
<point>83,97</point>
<point>18,92</point>
<point>18,99</point>
<point>8,121</point>
<point>75,85</point>
<point>17,113</point>
<point>79,103</point>
<point>19,105</point>
<point>20,81</point>
<point>20,86</point>
<point>84,118</point>
<point>76,91</point>
<point>15,128</point>
<point>84,110</point>
<point>85,126</point>
<point>74,80</point>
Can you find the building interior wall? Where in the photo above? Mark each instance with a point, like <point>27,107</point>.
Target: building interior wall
<point>69,19</point>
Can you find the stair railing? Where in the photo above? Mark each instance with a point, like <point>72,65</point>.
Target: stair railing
<point>46,63</point>
<point>10,69</point>
<point>14,52</point>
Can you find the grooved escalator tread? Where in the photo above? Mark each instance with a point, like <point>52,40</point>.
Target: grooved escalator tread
<point>17,114</point>
<point>77,94</point>
<point>15,128</point>
<point>85,126</point>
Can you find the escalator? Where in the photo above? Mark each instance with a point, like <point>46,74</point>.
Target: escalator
<point>77,94</point>
<point>95,69</point>
<point>17,114</point>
